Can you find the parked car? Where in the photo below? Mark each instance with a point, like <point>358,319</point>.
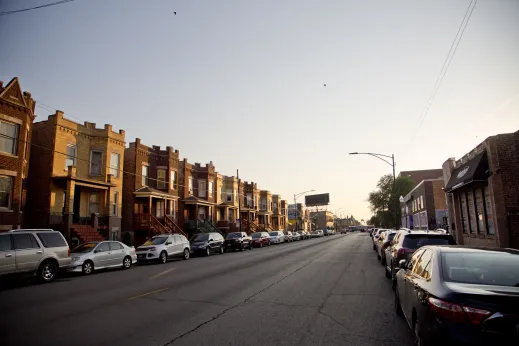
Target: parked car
<point>405,243</point>
<point>373,231</point>
<point>454,295</point>
<point>40,251</point>
<point>277,237</point>
<point>376,235</point>
<point>92,256</point>
<point>207,243</point>
<point>260,239</point>
<point>296,236</point>
<point>317,233</point>
<point>305,235</point>
<point>164,246</point>
<point>382,243</point>
<point>288,236</point>
<point>238,241</point>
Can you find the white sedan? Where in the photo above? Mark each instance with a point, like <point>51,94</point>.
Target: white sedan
<point>88,257</point>
<point>277,237</point>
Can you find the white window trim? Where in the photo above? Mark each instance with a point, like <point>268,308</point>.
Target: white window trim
<point>190,185</point>
<point>143,177</point>
<point>100,164</point>
<point>118,170</point>
<point>15,138</point>
<point>115,201</point>
<point>172,174</point>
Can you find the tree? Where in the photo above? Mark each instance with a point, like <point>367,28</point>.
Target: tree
<point>384,201</point>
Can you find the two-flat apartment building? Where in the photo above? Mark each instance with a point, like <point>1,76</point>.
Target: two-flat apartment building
<point>77,179</point>
<point>16,119</point>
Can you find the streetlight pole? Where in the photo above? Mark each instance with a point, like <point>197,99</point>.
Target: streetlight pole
<point>392,164</point>
<point>296,196</point>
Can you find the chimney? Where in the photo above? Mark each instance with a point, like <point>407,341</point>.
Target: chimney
<point>108,128</point>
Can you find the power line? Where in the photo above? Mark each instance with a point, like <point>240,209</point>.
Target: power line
<point>5,13</point>
<point>446,64</point>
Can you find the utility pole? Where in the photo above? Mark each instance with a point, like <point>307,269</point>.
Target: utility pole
<point>239,201</point>
<point>394,186</point>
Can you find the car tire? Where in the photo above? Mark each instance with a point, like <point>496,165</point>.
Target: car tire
<point>48,271</point>
<point>163,257</point>
<point>393,279</point>
<point>222,250</point>
<point>186,254</point>
<point>398,307</point>
<point>127,262</point>
<point>207,251</point>
<point>87,268</point>
<point>420,339</point>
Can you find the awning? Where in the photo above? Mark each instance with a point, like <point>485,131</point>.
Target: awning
<point>147,191</point>
<point>471,171</point>
<point>192,200</point>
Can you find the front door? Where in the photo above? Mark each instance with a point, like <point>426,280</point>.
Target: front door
<point>7,255</point>
<point>103,256</point>
<point>28,252</point>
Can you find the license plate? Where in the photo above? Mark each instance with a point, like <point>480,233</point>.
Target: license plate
<point>229,245</point>
<point>141,256</point>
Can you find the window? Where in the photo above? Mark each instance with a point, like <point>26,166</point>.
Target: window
<point>190,184</point>
<point>463,210</point>
<point>6,191</point>
<point>5,242</point>
<point>96,160</point>
<point>173,180</point>
<point>210,188</point>
<point>263,204</point>
<point>144,174</point>
<point>160,208</point>
<point>115,161</point>
<point>201,213</point>
<point>115,246</point>
<point>93,203</point>
<point>70,159</point>
<point>472,212</point>
<point>8,137</point>
<point>115,201</point>
<point>249,200</point>
<point>25,241</point>
<point>161,178</point>
<point>201,188</point>
<point>422,263</point>
<point>421,202</point>
<point>229,195</point>
<point>103,247</point>
<point>488,209</point>
<point>51,239</point>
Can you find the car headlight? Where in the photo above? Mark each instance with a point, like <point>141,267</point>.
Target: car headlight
<point>152,248</point>
<point>74,259</point>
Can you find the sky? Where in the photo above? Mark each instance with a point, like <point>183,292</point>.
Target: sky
<point>241,82</point>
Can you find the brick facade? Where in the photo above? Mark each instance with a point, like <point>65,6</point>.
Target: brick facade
<point>17,112</point>
<point>425,207</point>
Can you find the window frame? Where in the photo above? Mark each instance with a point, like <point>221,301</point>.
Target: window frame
<point>190,185</point>
<point>7,235</point>
<point>31,236</point>
<point>173,179</point>
<point>13,138</point>
<point>113,205</point>
<point>161,181</point>
<point>201,191</point>
<point>144,177</point>
<point>90,171</point>
<point>98,203</point>
<point>10,193</point>
<point>68,157</point>
<point>118,169</point>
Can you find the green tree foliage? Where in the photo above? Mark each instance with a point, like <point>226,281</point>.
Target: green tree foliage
<point>385,199</point>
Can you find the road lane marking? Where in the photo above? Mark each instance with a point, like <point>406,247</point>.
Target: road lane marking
<point>149,293</point>
<point>161,273</point>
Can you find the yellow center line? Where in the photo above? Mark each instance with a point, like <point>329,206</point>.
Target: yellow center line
<point>149,293</point>
<point>161,273</point>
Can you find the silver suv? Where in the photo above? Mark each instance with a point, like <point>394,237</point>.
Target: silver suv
<point>162,247</point>
<point>40,251</point>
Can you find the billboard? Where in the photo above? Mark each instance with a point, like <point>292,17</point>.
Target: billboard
<point>292,211</point>
<point>316,200</point>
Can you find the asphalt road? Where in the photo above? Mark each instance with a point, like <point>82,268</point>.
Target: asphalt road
<point>326,291</point>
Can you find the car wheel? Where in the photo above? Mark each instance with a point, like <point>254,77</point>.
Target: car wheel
<point>207,251</point>
<point>393,279</point>
<point>88,268</point>
<point>127,262</point>
<point>48,271</point>
<point>186,254</point>
<point>419,338</point>
<point>398,307</point>
<point>222,250</point>
<point>163,257</point>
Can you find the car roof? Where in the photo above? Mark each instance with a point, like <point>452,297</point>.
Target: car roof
<point>470,249</point>
<point>420,232</point>
<point>32,230</point>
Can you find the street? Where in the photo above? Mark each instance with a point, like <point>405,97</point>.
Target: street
<point>325,291</point>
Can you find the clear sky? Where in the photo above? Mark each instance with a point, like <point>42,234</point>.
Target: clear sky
<point>241,82</point>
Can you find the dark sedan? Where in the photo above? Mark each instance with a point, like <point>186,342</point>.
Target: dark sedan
<point>238,241</point>
<point>460,295</point>
<point>260,239</point>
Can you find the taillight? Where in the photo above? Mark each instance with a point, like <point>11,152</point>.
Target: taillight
<point>69,252</point>
<point>457,313</point>
<point>403,250</point>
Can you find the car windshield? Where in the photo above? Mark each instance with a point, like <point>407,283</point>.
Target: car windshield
<point>233,235</point>
<point>482,268</point>
<point>273,234</point>
<point>255,235</point>
<point>155,241</point>
<point>418,240</point>
<point>83,248</point>
<point>197,238</point>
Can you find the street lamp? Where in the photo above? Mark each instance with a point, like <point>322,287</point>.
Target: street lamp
<point>392,164</point>
<point>296,196</point>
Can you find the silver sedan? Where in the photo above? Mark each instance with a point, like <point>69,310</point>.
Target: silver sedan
<point>88,257</point>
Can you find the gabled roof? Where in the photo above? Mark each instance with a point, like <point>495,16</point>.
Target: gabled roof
<point>13,93</point>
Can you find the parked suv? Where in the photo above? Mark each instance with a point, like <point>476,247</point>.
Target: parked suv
<point>207,243</point>
<point>406,242</point>
<point>40,251</point>
<point>238,241</point>
<point>164,246</point>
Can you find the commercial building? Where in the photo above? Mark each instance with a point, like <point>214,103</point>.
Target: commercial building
<point>16,121</point>
<point>321,219</point>
<point>483,193</point>
<point>423,174</point>
<point>425,207</point>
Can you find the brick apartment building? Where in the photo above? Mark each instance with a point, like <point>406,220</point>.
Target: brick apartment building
<point>77,179</point>
<point>150,198</point>
<point>227,201</point>
<point>425,207</point>
<point>483,193</point>
<point>16,119</point>
<point>264,213</point>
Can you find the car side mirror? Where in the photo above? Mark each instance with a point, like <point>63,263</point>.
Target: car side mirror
<point>402,263</point>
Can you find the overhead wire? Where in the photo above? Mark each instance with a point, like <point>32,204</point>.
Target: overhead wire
<point>446,64</point>
<point>5,13</point>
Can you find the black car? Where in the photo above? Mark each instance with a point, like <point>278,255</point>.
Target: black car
<point>405,243</point>
<point>207,243</point>
<point>238,241</point>
<point>460,295</point>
